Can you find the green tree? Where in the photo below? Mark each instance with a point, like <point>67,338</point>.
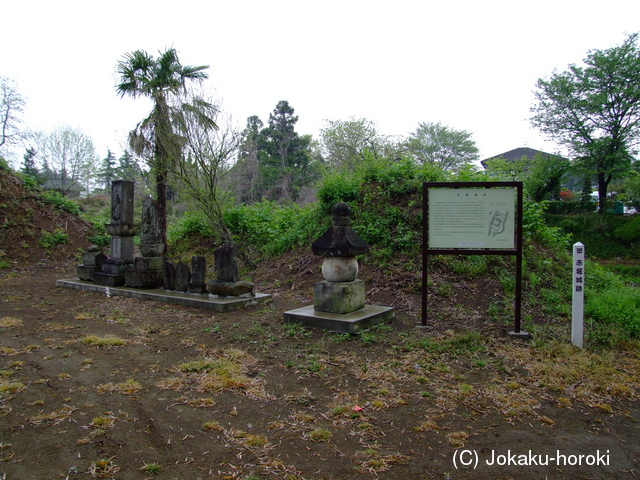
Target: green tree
<point>127,167</point>
<point>29,166</point>
<point>158,79</point>
<point>246,172</point>
<point>108,172</point>
<point>68,158</point>
<point>345,143</point>
<point>440,145</point>
<point>544,176</point>
<point>508,170</point>
<point>285,158</point>
<point>594,110</point>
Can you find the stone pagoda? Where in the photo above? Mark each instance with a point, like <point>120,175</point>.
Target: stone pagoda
<point>339,299</point>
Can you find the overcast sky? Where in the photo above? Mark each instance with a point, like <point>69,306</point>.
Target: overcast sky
<point>470,64</point>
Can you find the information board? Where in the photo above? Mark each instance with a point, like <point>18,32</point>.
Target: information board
<point>472,218</point>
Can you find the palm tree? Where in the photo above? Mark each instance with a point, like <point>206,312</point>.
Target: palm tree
<point>157,78</point>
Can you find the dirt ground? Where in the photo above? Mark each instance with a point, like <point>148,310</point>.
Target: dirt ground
<point>108,387</point>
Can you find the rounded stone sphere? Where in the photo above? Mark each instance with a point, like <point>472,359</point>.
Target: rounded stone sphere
<point>340,269</point>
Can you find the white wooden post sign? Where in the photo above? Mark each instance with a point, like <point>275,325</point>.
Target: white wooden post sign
<point>577,317</point>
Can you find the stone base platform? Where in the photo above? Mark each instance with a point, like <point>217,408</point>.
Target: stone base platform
<point>108,279</point>
<point>207,302</point>
<point>353,322</point>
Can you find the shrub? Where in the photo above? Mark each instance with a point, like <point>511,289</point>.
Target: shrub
<point>630,231</point>
<point>48,240</point>
<point>54,198</point>
<point>617,309</point>
<point>534,227</point>
<point>338,188</point>
<point>274,228</point>
<point>191,224</point>
<point>571,207</point>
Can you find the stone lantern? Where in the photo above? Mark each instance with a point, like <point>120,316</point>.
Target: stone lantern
<point>339,299</point>
<point>340,291</point>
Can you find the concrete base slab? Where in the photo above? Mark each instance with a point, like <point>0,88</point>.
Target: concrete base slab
<point>352,322</point>
<point>207,302</point>
<point>520,335</point>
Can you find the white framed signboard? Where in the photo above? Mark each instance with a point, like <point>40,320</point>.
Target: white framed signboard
<point>472,218</point>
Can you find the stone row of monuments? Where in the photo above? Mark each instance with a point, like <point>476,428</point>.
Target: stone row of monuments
<point>339,299</point>
<point>151,269</point>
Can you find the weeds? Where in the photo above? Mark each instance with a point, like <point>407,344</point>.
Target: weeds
<point>128,387</point>
<point>107,341</point>
<point>53,239</point>
<point>151,468</point>
<point>320,435</point>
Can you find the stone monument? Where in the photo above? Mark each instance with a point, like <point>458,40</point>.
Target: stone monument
<point>227,282</point>
<point>340,291</point>
<point>169,276</point>
<point>198,276</point>
<point>122,230</point>
<point>183,277</point>
<point>147,271</point>
<point>339,299</point>
<point>92,261</point>
<point>123,275</point>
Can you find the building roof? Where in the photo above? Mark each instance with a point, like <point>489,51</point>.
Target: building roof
<point>518,153</point>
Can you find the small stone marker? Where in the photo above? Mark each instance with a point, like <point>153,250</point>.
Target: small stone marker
<point>227,282</point>
<point>577,314</point>
<point>198,275</point>
<point>340,292</point>
<point>225,265</point>
<point>169,276</point>
<point>92,261</point>
<point>183,277</point>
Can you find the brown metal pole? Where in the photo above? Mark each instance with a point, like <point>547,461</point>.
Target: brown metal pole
<point>425,256</point>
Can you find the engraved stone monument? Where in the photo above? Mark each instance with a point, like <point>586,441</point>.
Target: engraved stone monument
<point>227,282</point>
<point>92,261</point>
<point>147,271</point>
<point>122,231</point>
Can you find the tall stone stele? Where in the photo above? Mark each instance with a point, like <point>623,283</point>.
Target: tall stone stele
<point>122,230</point>
<point>340,292</point>
<point>147,270</point>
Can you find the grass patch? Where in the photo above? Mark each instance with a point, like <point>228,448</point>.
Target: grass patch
<point>320,435</point>
<point>11,387</point>
<point>106,341</point>
<point>217,371</point>
<point>212,425</point>
<point>8,322</point>
<point>129,387</point>
<point>151,468</point>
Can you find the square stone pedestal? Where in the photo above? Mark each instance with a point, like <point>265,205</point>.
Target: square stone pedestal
<point>86,272</point>
<point>342,298</point>
<point>108,279</point>
<point>352,322</point>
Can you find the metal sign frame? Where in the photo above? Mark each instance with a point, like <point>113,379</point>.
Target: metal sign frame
<point>472,249</point>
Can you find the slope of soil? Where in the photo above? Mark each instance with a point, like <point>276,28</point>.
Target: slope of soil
<point>25,220</point>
